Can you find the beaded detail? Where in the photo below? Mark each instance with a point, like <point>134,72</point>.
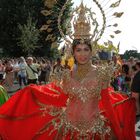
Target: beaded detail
<point>81,97</point>
<point>64,127</point>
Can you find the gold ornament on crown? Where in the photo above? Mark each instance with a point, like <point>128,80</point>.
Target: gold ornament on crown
<point>81,24</point>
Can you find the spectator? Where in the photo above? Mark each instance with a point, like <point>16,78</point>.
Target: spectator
<point>9,78</point>
<point>22,75</point>
<point>45,70</point>
<point>32,71</point>
<point>127,78</point>
<point>135,87</point>
<point>57,67</point>
<point>2,73</point>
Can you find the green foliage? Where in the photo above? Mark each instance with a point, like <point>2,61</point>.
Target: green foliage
<point>108,48</point>
<point>13,13</point>
<point>65,17</point>
<point>55,53</point>
<point>29,36</point>
<point>52,32</point>
<point>130,53</point>
<point>52,21</point>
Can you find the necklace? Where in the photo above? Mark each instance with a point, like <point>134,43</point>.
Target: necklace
<point>82,71</point>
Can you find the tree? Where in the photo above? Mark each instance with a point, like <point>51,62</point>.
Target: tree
<point>50,31</point>
<point>13,13</point>
<point>130,53</point>
<point>29,36</point>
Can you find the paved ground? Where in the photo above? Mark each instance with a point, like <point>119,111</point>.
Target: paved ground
<point>12,90</point>
<point>137,127</point>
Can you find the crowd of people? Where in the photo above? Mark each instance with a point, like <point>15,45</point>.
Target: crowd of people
<point>127,79</point>
<point>124,75</point>
<point>37,70</point>
<point>24,71</point>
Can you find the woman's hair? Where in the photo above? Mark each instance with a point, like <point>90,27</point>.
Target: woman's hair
<point>22,59</point>
<point>138,64</point>
<point>125,68</point>
<point>79,41</point>
<point>134,68</point>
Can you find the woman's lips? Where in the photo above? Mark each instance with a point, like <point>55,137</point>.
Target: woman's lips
<point>83,59</point>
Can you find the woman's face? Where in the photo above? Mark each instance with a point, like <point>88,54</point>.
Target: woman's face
<point>82,53</point>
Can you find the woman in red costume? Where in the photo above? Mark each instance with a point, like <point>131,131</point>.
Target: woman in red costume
<point>77,105</point>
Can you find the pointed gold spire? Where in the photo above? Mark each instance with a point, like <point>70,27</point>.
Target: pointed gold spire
<point>81,23</point>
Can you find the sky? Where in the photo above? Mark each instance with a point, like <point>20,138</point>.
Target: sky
<point>129,24</point>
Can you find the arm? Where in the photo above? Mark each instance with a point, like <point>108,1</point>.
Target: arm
<point>105,73</point>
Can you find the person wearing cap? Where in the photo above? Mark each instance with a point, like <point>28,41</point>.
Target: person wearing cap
<point>32,71</point>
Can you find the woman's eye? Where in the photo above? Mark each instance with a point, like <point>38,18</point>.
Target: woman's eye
<point>86,49</point>
<point>78,50</point>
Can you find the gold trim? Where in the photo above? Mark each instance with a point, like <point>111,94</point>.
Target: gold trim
<point>123,101</point>
<point>56,91</point>
<point>40,104</point>
<point>14,118</point>
<point>43,129</point>
<point>37,101</point>
<point>117,103</point>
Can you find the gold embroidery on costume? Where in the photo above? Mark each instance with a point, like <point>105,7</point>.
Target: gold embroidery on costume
<point>15,118</point>
<point>57,77</point>
<point>105,72</point>
<point>64,127</point>
<point>90,86</point>
<point>82,71</point>
<point>83,91</point>
<point>121,102</point>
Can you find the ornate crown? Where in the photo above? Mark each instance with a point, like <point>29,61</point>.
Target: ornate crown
<point>84,23</point>
<point>97,26</point>
<point>81,24</point>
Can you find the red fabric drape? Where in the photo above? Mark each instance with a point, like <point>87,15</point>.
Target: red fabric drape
<point>120,110</point>
<point>21,117</point>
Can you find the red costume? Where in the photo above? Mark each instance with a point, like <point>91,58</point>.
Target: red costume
<point>29,113</point>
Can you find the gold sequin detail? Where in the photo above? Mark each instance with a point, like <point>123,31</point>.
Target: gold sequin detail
<point>84,90</point>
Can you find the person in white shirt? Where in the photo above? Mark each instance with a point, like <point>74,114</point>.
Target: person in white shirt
<point>22,75</point>
<point>32,71</point>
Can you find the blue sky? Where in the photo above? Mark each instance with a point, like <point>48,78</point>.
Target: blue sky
<point>129,24</point>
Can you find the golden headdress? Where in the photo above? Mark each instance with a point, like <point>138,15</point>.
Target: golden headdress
<point>85,23</point>
<point>96,26</point>
<point>81,24</point>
